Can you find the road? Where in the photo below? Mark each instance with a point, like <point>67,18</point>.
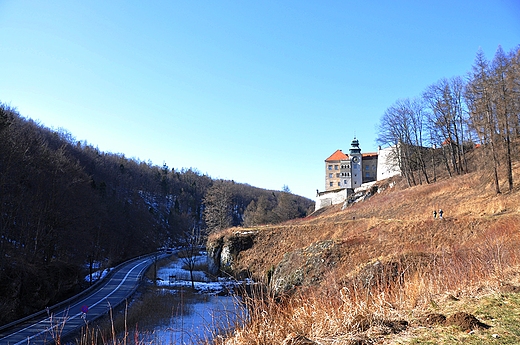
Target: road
<point>121,284</point>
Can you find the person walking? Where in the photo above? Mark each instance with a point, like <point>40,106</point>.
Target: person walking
<point>440,213</point>
<point>434,214</point>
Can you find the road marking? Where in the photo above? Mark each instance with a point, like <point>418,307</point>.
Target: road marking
<point>65,319</point>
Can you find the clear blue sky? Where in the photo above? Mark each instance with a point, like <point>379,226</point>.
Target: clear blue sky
<point>260,92</point>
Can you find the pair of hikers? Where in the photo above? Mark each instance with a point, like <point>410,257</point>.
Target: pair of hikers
<point>441,212</point>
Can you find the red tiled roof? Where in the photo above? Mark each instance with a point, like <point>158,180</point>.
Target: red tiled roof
<point>369,154</point>
<point>337,156</point>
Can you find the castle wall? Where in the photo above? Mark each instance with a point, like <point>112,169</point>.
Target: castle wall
<point>369,167</point>
<point>329,198</point>
<point>386,163</point>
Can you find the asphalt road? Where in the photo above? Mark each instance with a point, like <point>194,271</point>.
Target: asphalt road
<point>121,284</point>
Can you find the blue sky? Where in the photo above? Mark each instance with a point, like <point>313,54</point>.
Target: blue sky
<point>260,92</point>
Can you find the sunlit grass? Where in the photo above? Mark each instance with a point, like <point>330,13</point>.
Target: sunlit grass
<point>445,266</point>
<point>501,311</point>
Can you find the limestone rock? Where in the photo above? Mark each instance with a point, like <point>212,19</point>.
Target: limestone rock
<point>223,251</point>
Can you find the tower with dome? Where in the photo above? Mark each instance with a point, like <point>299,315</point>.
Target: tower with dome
<point>350,170</point>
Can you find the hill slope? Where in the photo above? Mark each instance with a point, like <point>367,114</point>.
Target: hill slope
<point>67,209</point>
<point>359,273</point>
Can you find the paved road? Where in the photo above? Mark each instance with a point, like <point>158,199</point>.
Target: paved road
<point>71,317</point>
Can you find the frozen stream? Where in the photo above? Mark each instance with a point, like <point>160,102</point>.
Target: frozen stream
<point>206,312</point>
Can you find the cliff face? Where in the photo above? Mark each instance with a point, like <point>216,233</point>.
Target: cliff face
<point>223,252</point>
<point>232,254</point>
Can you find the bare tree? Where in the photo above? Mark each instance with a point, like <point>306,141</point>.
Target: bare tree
<point>217,207</point>
<point>402,127</point>
<point>479,98</point>
<point>446,116</point>
<point>190,251</point>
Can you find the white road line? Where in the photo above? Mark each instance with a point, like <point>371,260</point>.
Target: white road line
<point>72,317</point>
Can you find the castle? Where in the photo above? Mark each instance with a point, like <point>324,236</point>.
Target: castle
<point>344,173</point>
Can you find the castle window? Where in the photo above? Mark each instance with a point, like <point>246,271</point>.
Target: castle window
<point>337,174</point>
<point>330,175</point>
<point>339,184</point>
<point>331,184</point>
<point>335,167</point>
<point>344,181</point>
<point>330,167</point>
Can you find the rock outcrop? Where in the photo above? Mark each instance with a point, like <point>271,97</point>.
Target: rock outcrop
<point>301,267</point>
<point>305,266</point>
<point>223,252</point>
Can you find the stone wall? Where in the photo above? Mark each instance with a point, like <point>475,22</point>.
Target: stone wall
<point>333,197</point>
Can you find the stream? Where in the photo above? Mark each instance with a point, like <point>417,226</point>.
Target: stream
<point>200,313</point>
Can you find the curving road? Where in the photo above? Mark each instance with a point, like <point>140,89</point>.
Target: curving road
<point>71,317</point>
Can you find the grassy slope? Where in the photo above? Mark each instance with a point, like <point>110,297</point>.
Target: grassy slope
<point>460,263</point>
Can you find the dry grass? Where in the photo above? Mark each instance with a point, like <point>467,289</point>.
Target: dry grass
<point>422,264</point>
<point>128,323</point>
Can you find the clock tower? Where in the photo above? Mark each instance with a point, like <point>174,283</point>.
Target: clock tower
<point>355,163</point>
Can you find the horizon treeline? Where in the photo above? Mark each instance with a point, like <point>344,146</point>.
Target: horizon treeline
<point>67,208</point>
<point>476,114</point>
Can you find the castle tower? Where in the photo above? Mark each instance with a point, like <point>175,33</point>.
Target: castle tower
<point>356,164</point>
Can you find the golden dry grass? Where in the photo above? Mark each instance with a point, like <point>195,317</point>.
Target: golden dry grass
<point>472,252</point>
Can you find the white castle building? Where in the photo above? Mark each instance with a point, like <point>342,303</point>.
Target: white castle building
<point>346,172</point>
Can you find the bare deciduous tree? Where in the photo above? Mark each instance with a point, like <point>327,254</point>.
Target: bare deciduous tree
<point>217,207</point>
<point>446,116</point>
<point>402,127</point>
<point>190,251</point>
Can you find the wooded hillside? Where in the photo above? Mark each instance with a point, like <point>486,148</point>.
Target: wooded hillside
<point>66,207</point>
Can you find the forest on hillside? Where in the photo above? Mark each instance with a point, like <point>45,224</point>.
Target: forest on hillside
<point>67,208</point>
<point>477,114</point>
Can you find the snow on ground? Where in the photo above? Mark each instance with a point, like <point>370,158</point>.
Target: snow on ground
<point>98,275</point>
<point>175,276</point>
